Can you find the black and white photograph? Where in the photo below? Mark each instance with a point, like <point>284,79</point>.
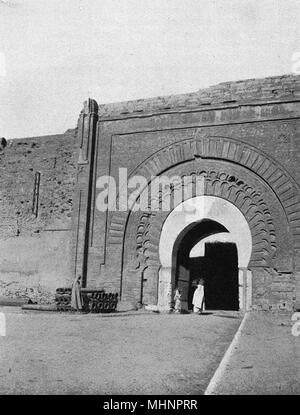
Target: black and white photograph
<point>149,200</point>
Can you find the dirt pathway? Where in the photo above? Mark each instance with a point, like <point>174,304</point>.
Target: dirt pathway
<point>266,359</point>
<point>51,353</point>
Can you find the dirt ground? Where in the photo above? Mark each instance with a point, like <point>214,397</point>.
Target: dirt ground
<point>137,353</point>
<point>266,360</point>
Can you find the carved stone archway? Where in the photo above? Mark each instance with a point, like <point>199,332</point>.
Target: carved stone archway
<point>253,182</point>
<point>193,211</point>
<point>219,148</point>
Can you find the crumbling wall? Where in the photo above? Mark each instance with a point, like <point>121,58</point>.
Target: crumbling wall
<point>270,88</point>
<point>37,178</point>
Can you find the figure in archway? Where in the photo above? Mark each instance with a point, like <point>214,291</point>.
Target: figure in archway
<point>198,297</point>
<point>177,299</point>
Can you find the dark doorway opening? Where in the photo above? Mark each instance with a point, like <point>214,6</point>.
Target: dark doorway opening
<point>218,267</point>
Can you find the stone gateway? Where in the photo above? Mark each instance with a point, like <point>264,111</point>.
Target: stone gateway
<point>239,229</point>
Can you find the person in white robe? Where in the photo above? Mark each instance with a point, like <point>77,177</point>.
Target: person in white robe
<point>177,300</point>
<point>198,297</point>
<point>76,299</point>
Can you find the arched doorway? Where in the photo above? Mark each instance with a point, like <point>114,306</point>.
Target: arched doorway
<point>220,231</point>
<point>219,268</point>
<point>196,255</point>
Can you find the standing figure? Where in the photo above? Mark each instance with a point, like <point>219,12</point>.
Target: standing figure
<point>198,297</point>
<point>76,299</point>
<point>177,299</point>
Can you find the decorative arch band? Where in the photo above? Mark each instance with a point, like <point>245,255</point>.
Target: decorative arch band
<point>252,205</point>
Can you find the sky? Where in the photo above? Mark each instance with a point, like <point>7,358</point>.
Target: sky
<point>54,54</point>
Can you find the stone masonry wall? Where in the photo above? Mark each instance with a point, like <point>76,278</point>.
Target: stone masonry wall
<point>263,113</point>
<point>274,87</point>
<point>37,178</point>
